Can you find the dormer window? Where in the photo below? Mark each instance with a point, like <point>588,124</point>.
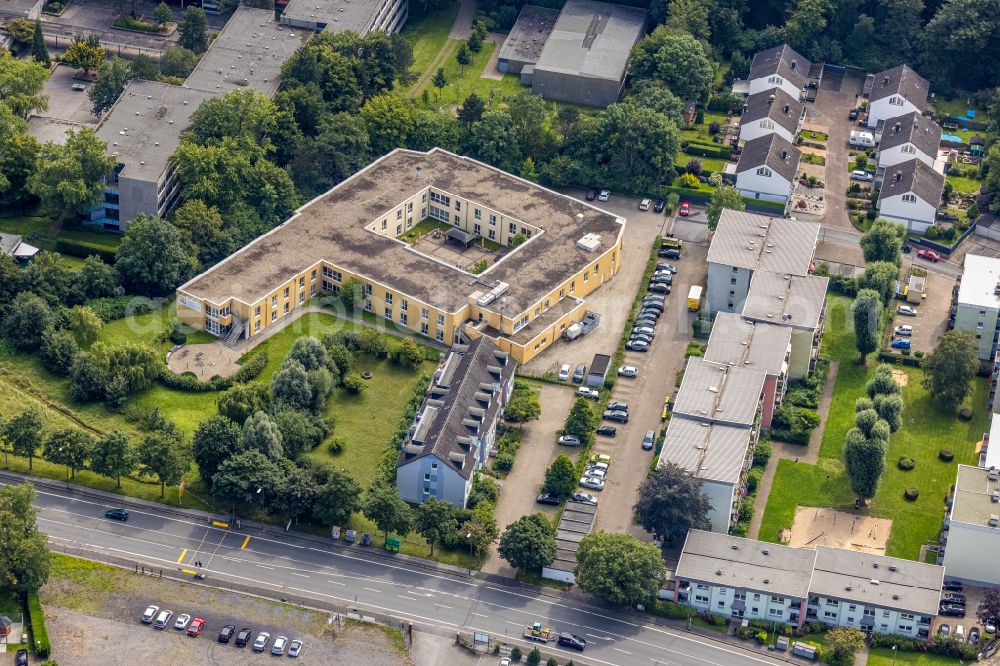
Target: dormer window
<point>896,100</point>
<point>908,149</point>
<point>767,124</point>
<point>777,80</point>
<point>764,171</point>
<point>910,198</point>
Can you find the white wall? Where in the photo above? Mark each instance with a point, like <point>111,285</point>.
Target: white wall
<point>759,605</point>
<point>895,155</point>
<point>720,496</point>
<point>753,129</point>
<point>720,283</point>
<point>843,613</point>
<point>802,348</point>
<point>971,553</point>
<point>915,216</point>
<point>762,84</point>
<point>770,188</point>
<point>967,318</point>
<point>445,482</point>
<point>883,110</point>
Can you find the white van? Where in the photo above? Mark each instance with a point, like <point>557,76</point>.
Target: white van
<point>960,632</point>
<point>564,372</point>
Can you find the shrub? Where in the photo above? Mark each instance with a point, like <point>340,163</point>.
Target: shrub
<point>965,414</point>
<point>354,383</point>
<point>130,23</point>
<point>251,367</point>
<point>713,128</point>
<point>753,479</point>
<point>110,309</point>
<point>906,463</point>
<point>689,180</point>
<point>36,618</point>
<point>693,166</point>
<point>762,453</point>
<point>504,462</point>
<point>177,336</point>
<point>946,455</point>
<point>83,249</point>
<point>911,494</point>
<point>337,445</point>
<point>534,657</point>
<point>669,609</point>
<point>515,654</point>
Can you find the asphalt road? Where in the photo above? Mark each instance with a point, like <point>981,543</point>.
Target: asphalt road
<point>340,577</point>
<point>851,237</point>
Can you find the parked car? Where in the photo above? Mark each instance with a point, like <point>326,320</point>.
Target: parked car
<point>645,322</point>
<point>853,115</point>
<point>944,629</point>
<point>615,415</point>
<point>548,498</point>
<point>637,346</point>
<point>564,372</point>
<point>617,405</point>
<point>607,431</point>
<point>953,598</point>
<point>261,643</point>
<point>226,634</point>
<point>116,514</point>
<point>579,373</point>
<point>587,392</point>
<point>584,498</point>
<point>604,195</point>
<point>572,641</point>
<point>907,248</point>
<point>645,204</point>
<point>598,466</point>
<point>641,337</point>
<point>196,626</point>
<point>163,619</point>
<point>21,658</point>
<point>659,205</point>
<point>951,610</point>
<point>643,330</point>
<point>594,473</point>
<point>569,440</point>
<point>294,648</point>
<point>654,299</point>
<point>903,329</point>
<point>647,312</point>
<point>648,440</point>
<point>959,632</point>
<point>990,626</point>
<point>929,255</point>
<point>150,614</point>
<point>669,253</point>
<point>952,585</point>
<point>592,483</point>
<point>591,194</point>
<point>600,458</point>
<point>685,209</point>
<point>861,174</point>
<point>279,646</point>
<point>907,311</point>
<point>659,288</point>
<point>663,266</point>
<point>974,636</point>
<point>661,278</point>
<point>243,637</point>
<point>182,621</point>
<point>900,343</point>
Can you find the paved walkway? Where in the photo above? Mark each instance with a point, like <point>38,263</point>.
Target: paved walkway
<point>490,71</point>
<point>462,27</point>
<point>808,454</point>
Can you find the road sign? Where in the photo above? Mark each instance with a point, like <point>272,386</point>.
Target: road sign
<point>392,545</point>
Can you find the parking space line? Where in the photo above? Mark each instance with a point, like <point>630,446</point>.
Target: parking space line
<point>183,553</point>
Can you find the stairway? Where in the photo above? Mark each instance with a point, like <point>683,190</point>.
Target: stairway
<point>235,333</point>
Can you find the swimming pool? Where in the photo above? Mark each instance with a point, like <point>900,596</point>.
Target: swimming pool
<point>954,138</point>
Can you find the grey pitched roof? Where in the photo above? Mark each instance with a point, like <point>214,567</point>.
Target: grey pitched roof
<point>710,451</point>
<point>720,559</point>
<point>739,342</point>
<point>913,176</point>
<point>9,243</point>
<point>759,242</point>
<point>901,80</point>
<point>791,300</point>
<point>463,397</point>
<point>782,60</point>
<point>718,392</point>
<point>913,128</point>
<point>775,104</point>
<point>774,152</point>
<point>877,580</point>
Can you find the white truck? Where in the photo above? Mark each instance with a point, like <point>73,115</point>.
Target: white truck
<point>861,139</point>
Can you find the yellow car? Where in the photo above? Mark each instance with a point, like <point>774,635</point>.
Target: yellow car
<point>600,458</point>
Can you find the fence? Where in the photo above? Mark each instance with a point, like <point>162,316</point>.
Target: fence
<point>946,249</point>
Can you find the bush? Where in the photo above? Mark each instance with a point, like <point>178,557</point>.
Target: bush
<point>906,463</point>
<point>515,654</point>
<point>965,414</point>
<point>337,445</point>
<point>762,453</point>
<point>753,479</point>
<point>111,309</point>
<point>714,127</point>
<point>534,657</point>
<point>504,462</point>
<point>252,366</point>
<point>36,618</point>
<point>669,609</point>
<point>83,249</point>
<point>911,494</point>
<point>689,180</point>
<point>946,455</point>
<point>131,23</point>
<point>353,383</point>
<point>177,336</point>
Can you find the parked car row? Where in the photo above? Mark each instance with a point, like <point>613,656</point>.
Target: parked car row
<point>652,306</point>
<point>162,618</point>
<point>596,472</point>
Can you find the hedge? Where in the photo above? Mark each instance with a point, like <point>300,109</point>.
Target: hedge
<point>83,249</point>
<point>707,150</point>
<point>670,609</point>
<point>189,382</point>
<point>36,618</point>
<point>110,309</point>
<point>895,359</point>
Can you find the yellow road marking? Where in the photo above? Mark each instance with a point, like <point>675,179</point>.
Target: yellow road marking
<point>245,542</point>
<point>220,524</point>
<point>183,553</point>
<point>189,571</point>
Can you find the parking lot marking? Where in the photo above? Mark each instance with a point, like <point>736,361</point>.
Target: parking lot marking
<point>298,574</point>
<point>336,583</point>
<point>245,542</point>
<point>372,589</point>
<point>183,553</point>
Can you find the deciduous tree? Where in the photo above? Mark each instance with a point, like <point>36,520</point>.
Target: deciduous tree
<point>193,29</point>
<point>97,279</point>
<point>162,14</point>
<point>28,318</point>
<point>434,520</point>
<point>58,351</point>
<point>242,400</point>
<point>989,608</point>
<point>339,497</point>
<point>114,455</point>
<point>672,502</point>
<point>216,440</point>
<point>159,455</point>
<point>880,276</point>
<point>883,242</point>
<point>151,258</point>
<point>70,447</point>
<point>560,477</point>
<point>725,196</point>
<point>867,312</point>
<point>529,543</point>
<point>85,325</point>
<point>248,478</point>
<point>463,57</point>
<point>842,643</point>
<point>581,421</point>
<point>70,176</point>
<point>383,505</point>
<point>949,371</point>
<point>864,461</point>
<point>21,83</point>
<point>84,53</point>
<point>178,61</point>
<point>25,561</point>
<point>471,110</point>
<point>524,405</point>
<point>619,568</point>
<point>261,434</point>
<point>24,431</point>
<point>112,77</point>
<point>678,60</point>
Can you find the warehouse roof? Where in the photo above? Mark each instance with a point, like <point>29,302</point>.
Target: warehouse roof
<point>771,151</point>
<point>759,242</point>
<point>527,38</point>
<point>912,176</point>
<point>792,300</point>
<point>913,128</point>
<point>719,392</point>
<point>592,39</point>
<point>776,104</point>
<point>901,80</point>
<point>332,228</point>
<point>782,60</point>
<point>738,342</point>
<point>710,451</point>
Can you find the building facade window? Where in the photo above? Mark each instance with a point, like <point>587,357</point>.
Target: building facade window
<point>476,229</point>
<point>388,298</point>
<point>286,292</point>
<point>388,313</point>
<point>440,320</point>
<point>492,234</point>
<point>402,318</point>
<point>440,199</point>
<point>764,171</point>
<point>368,305</point>
<point>439,335</point>
<point>423,328</point>
<point>286,308</point>
<point>478,214</point>
<point>424,314</point>
<point>910,198</point>
<point>403,304</point>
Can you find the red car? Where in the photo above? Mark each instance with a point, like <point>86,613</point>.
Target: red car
<point>685,209</point>
<point>196,626</point>
<point>929,255</point>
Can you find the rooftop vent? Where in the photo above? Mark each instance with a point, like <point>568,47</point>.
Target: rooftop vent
<point>766,581</point>
<point>589,242</point>
<point>874,581</point>
<point>786,109</point>
<point>792,65</point>
<point>718,572</point>
<point>770,98</point>
<point>735,547</point>
<point>765,552</point>
<point>784,156</point>
<point>848,588</point>
<point>898,177</point>
<point>875,565</point>
<point>494,370</point>
<point>895,597</point>
<point>471,423</point>
<point>897,128</point>
<point>885,80</point>
<point>418,168</point>
<point>893,567</point>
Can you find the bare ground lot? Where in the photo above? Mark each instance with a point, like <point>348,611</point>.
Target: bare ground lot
<point>827,527</point>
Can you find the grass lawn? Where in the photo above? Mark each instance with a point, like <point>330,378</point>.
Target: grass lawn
<point>146,328</point>
<point>885,657</point>
<point>34,229</point>
<point>703,188</point>
<point>463,82</point>
<point>965,185</point>
<point>427,34</point>
<point>423,228</point>
<point>957,108</point>
<point>926,430</point>
<point>713,164</point>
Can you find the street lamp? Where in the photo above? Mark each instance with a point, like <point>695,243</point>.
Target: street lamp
<point>893,655</point>
<point>261,510</point>
<point>468,537</point>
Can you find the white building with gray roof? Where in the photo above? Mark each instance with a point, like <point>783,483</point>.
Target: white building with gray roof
<point>971,532</point>
<point>360,16</point>
<point>910,195</point>
<point>977,305</point>
<point>767,168</point>
<point>895,92</point>
<point>771,112</point>
<point>778,67</point>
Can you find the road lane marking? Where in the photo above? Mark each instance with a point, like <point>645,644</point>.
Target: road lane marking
<point>517,639</point>
<point>443,606</point>
<point>480,615</point>
<point>245,542</point>
<point>298,574</point>
<point>401,596</point>
<point>183,553</point>
<point>433,621</point>
<point>516,624</point>
<point>372,589</point>
<point>264,566</point>
<point>603,638</point>
<point>622,651</point>
<point>336,583</point>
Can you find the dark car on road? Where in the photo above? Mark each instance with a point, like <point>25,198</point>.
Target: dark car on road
<point>548,498</point>
<point>116,514</point>
<point>21,658</point>
<point>226,634</point>
<point>953,598</point>
<point>243,637</point>
<point>670,253</point>
<point>637,346</point>
<point>572,641</point>
<point>607,431</point>
<point>659,205</point>
<point>591,194</point>
<point>659,288</point>
<point>952,585</point>
<point>615,415</point>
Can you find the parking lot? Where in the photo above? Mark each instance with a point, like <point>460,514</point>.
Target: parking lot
<point>932,318</point>
<point>973,596</point>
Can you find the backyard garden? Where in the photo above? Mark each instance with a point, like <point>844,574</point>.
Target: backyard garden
<point>74,243</point>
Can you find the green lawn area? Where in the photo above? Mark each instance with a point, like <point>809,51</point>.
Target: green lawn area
<point>423,228</point>
<point>957,108</point>
<point>926,430</point>
<point>427,34</point>
<point>965,185</point>
<point>885,657</point>
<point>700,132</point>
<point>813,136</point>
<point>712,164</point>
<point>34,229</point>
<point>462,83</point>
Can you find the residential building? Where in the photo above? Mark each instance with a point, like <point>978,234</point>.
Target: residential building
<point>360,16</point>
<point>747,242</point>
<point>753,580</point>
<point>575,522</point>
<point>977,304</point>
<point>907,137</point>
<point>795,301</point>
<point>713,430</point>
<point>26,9</point>
<point>526,40</point>
<point>456,425</point>
<point>12,245</point>
<point>910,195</point>
<point>523,300</point>
<point>767,168</point>
<point>738,342</point>
<point>778,67</point>
<point>895,92</point>
<point>586,53</point>
<point>771,112</point>
<point>991,457</point>
<point>970,536</point>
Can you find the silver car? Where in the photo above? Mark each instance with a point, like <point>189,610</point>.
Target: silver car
<point>260,644</point>
<point>294,648</point>
<point>279,645</point>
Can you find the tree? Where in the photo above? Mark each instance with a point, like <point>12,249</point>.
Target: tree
<point>725,196</point>
<point>494,139</point>
<point>151,259</point>
<point>867,311</point>
<point>237,114</point>
<point>20,30</point>
<point>383,505</point>
<point>524,405</point>
<point>560,477</point>
<point>989,607</point>
<point>619,568</point>
<point>471,110</point>
<point>581,421</point>
<point>671,502</point>
<point>842,643</point>
<point>159,455</point>
<point>529,543</point>
<point>300,431</point>
<point>291,385</point>
<point>339,497</point>
<point>112,77</point>
<point>70,447</point>
<point>248,478</point>
<point>297,492</point>
<point>434,520</point>
<point>87,381</point>
<point>193,29</point>
<point>39,52</point>
<point>883,242</point>
<point>890,410</point>
<point>84,53</point>
<point>71,176</point>
<point>216,440</point>
<point>864,461</point>
<point>880,276</point>
<point>949,371</point>
<point>479,534</point>
<point>261,434</point>
<point>162,14</point>
<point>18,159</point>
<point>678,60</point>
<point>959,42</point>
<point>242,400</point>
<point>882,383</point>
<point>439,80</point>
<point>114,455</point>
<point>28,318</point>
<point>85,325</point>
<point>21,83</point>
<point>389,119</point>
<point>58,351</point>
<point>867,421</point>
<point>97,279</point>
<point>177,61</point>
<point>25,560</point>
<point>534,657</point>
<point>143,67</point>
<point>24,431</point>
<point>463,57</point>
<point>637,146</point>
<point>528,171</point>
<point>201,230</point>
<point>339,149</point>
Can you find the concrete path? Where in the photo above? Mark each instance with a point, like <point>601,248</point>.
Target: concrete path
<point>462,27</point>
<point>490,71</point>
<point>808,454</point>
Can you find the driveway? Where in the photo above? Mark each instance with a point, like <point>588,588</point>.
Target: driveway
<point>933,309</point>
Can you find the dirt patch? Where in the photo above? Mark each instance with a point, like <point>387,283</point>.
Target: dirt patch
<point>901,377</point>
<point>206,360</point>
<point>826,527</point>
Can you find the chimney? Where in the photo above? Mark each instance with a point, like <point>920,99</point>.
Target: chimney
<point>898,177</point>
<point>770,98</point>
<point>885,80</point>
<point>897,129</point>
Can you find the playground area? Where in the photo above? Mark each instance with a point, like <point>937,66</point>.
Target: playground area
<point>837,529</point>
<point>205,360</point>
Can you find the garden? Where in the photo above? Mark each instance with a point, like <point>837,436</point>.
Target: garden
<point>927,428</point>
<point>73,242</point>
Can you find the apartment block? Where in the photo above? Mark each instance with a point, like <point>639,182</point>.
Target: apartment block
<point>977,304</point>
<point>970,536</point>
<point>360,16</point>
